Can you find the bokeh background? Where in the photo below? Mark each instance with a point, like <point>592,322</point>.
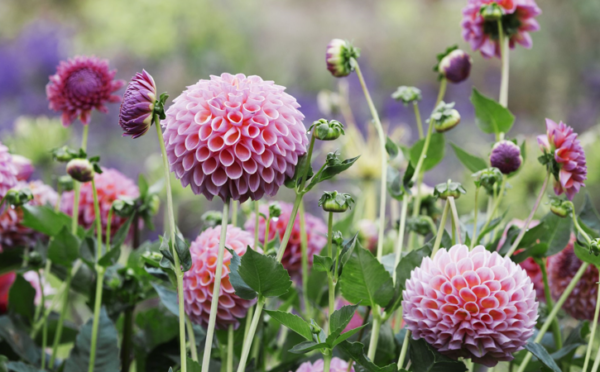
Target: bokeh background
<point>180,42</point>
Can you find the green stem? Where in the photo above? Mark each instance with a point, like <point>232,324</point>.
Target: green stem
<point>515,244</point>
<point>550,303</point>
<point>61,318</point>
<point>256,222</point>
<point>330,255</point>
<point>505,63</point>
<point>593,333</point>
<point>491,213</point>
<point>441,93</point>
<point>305,273</point>
<point>381,135</point>
<point>42,305</point>
<point>440,233</point>
<point>418,118</point>
<point>127,338</point>
<point>172,230</point>
<point>192,338</point>
<point>404,350</point>
<point>374,333</point>
<point>246,348</point>
<point>214,306</point>
<point>99,280</point>
<point>455,219</point>
<point>554,311</point>
<point>108,226</point>
<point>234,212</point>
<point>596,362</point>
<point>288,229</point>
<point>400,241</point>
<point>230,348</point>
<point>579,229</point>
<point>327,362</point>
<point>474,238</point>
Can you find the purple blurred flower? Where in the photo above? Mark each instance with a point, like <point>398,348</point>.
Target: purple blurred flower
<point>456,66</point>
<point>137,107</point>
<point>24,167</point>
<point>8,172</point>
<point>506,156</point>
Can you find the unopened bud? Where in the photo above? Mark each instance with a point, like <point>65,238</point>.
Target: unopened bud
<point>327,130</point>
<point>407,94</point>
<point>491,11</point>
<point>335,202</point>
<point>80,170</point>
<point>447,189</point>
<point>445,117</point>
<point>339,57</point>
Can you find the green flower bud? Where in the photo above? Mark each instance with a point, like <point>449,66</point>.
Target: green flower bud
<point>80,170</point>
<point>124,206</point>
<point>327,130</point>
<point>339,56</point>
<point>488,178</point>
<point>154,204</point>
<point>65,183</point>
<point>338,238</point>
<point>445,117</point>
<point>211,219</point>
<point>491,12</point>
<point>335,202</point>
<point>274,210</point>
<point>407,94</point>
<point>595,247</point>
<point>314,327</point>
<point>64,154</point>
<point>19,197</point>
<point>420,224</point>
<point>444,190</point>
<point>561,208</point>
<point>35,259</point>
<point>152,258</point>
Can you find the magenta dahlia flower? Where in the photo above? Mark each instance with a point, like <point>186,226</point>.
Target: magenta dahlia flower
<point>80,85</point>
<point>8,171</point>
<point>12,232</point>
<point>517,21</point>
<point>562,142</point>
<point>24,167</point>
<point>562,267</point>
<point>472,304</point>
<point>234,136</point>
<point>337,365</point>
<point>137,107</point>
<point>316,231</point>
<point>506,156</point>
<point>198,282</point>
<point>111,185</point>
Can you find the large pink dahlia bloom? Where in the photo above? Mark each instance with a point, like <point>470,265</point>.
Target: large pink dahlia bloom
<point>473,304</point>
<point>198,282</point>
<point>80,85</point>
<point>316,231</point>
<point>234,136</point>
<point>8,171</point>
<point>111,185</point>
<point>562,267</point>
<point>12,232</point>
<point>561,140</point>
<point>337,365</point>
<point>518,20</point>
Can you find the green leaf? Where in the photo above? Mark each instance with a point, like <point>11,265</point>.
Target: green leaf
<point>111,257</point>
<point>347,251</point>
<point>589,215</point>
<point>183,252</point>
<point>107,348</point>
<point>346,335</point>
<point>491,117</point>
<point>491,227</point>
<point>241,288</point>
<point>11,259</point>
<point>338,321</point>
<point>365,279</point>
<point>45,219</point>
<point>21,367</point>
<point>322,263</point>
<point>542,354</point>
<point>21,298</point>
<point>306,346</point>
<point>356,351</point>
<point>143,186</point>
<point>584,255</point>
<point>330,172</point>
<point>391,148</point>
<point>424,358</point>
<point>168,297</point>
<point>193,366</point>
<point>558,233</point>
<point>435,152</point>
<point>19,341</point>
<point>576,338</point>
<point>264,274</point>
<point>119,238</point>
<point>293,322</point>
<point>64,248</point>
<point>472,162</point>
<point>395,184</point>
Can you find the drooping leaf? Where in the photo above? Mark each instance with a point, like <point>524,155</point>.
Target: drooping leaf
<point>543,356</point>
<point>395,185</point>
<point>119,238</point>
<point>435,152</point>
<point>365,279</point>
<point>306,346</point>
<point>44,219</point>
<point>264,274</point>
<point>491,117</point>
<point>558,233</point>
<point>168,297</point>
<point>293,322</point>
<point>111,257</point>
<point>356,351</point>
<point>241,288</point>
<point>329,172</point>
<point>338,321</point>
<point>322,263</point>
<point>19,341</point>
<point>64,248</point>
<point>391,148</point>
<point>426,359</point>
<point>471,162</point>
<point>21,298</point>
<point>183,252</point>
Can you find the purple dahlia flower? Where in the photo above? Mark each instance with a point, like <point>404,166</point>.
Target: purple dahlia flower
<point>506,156</point>
<point>137,108</point>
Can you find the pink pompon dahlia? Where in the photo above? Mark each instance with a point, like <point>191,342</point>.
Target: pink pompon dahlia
<point>80,85</point>
<point>111,185</point>
<point>198,282</point>
<point>12,232</point>
<point>8,171</point>
<point>472,304</point>
<point>562,142</point>
<point>24,167</point>
<point>562,267</point>
<point>234,136</point>
<point>316,232</point>
<point>137,108</point>
<point>518,20</point>
<point>337,365</point>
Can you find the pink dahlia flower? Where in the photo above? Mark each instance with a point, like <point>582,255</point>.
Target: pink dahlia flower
<point>24,167</point>
<point>234,136</point>
<point>472,304</point>
<point>562,267</point>
<point>337,365</point>
<point>518,20</point>
<point>137,108</point>
<point>8,171</point>
<point>80,85</point>
<point>111,185</point>
<point>368,234</point>
<point>561,140</point>
<point>12,232</point>
<point>6,281</point>
<point>198,282</point>
<point>316,231</point>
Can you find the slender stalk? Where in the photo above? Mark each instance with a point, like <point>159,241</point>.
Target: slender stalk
<point>418,118</point>
<point>246,348</point>
<point>256,222</point>
<point>214,306</point>
<point>172,229</point>
<point>491,213</point>
<point>127,338</point>
<point>192,338</point>
<point>455,218</point>
<point>400,241</point>
<point>327,362</point>
<point>230,348</point>
<point>474,237</point>
<point>108,227</point>
<point>305,273</point>
<point>440,233</point>
<point>42,305</point>
<point>505,63</point>
<point>593,333</point>
<point>288,229</point>
<point>596,362</point>
<point>404,349</point>
<point>234,212</point>
<point>550,303</point>
<point>515,244</point>
<point>554,311</point>
<point>374,333</point>
<point>61,317</point>
<point>329,277</point>
<point>381,135</point>
<point>441,92</point>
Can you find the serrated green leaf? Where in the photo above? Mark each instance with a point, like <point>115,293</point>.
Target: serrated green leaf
<point>543,356</point>
<point>64,248</point>
<point>346,335</point>
<point>293,322</point>
<point>306,346</point>
<point>471,162</point>
<point>21,298</point>
<point>44,219</point>
<point>329,172</point>
<point>435,152</point>
<point>356,351</point>
<point>19,341</point>
<point>322,263</point>
<point>365,280</point>
<point>264,274</point>
<point>338,322</point>
<point>110,258</point>
<point>241,288</point>
<point>491,117</point>
<point>426,359</point>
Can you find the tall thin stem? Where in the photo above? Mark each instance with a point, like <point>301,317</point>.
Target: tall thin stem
<point>400,241</point>
<point>593,333</point>
<point>418,118</point>
<point>192,338</point>
<point>374,333</point>
<point>305,273</point>
<point>329,274</point>
<point>550,303</point>
<point>327,362</point>
<point>230,348</point>
<point>404,350</point>
<point>491,213</point>
<point>596,362</point>
<point>440,233</point>
<point>234,212</point>
<point>381,135</point>
<point>214,306</point>
<point>474,237</point>
<point>61,317</point>
<point>246,348</point>
<point>172,230</point>
<point>441,93</point>
<point>515,244</point>
<point>504,50</point>
<point>455,218</point>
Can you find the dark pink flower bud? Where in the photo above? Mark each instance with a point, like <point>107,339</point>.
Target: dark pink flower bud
<point>506,156</point>
<point>137,108</point>
<point>456,66</point>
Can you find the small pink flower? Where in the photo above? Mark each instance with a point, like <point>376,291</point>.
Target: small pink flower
<point>24,167</point>
<point>8,172</point>
<point>472,304</point>
<point>561,140</point>
<point>518,21</point>
<point>368,234</point>
<point>234,137</point>
<point>336,365</point>
<point>111,185</point>
<point>137,108</point>
<point>80,85</point>
<point>198,282</point>
<point>316,231</point>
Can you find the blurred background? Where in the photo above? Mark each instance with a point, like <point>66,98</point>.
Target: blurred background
<point>180,42</point>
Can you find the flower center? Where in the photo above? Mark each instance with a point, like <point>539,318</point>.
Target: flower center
<point>84,82</point>
<point>510,26</point>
